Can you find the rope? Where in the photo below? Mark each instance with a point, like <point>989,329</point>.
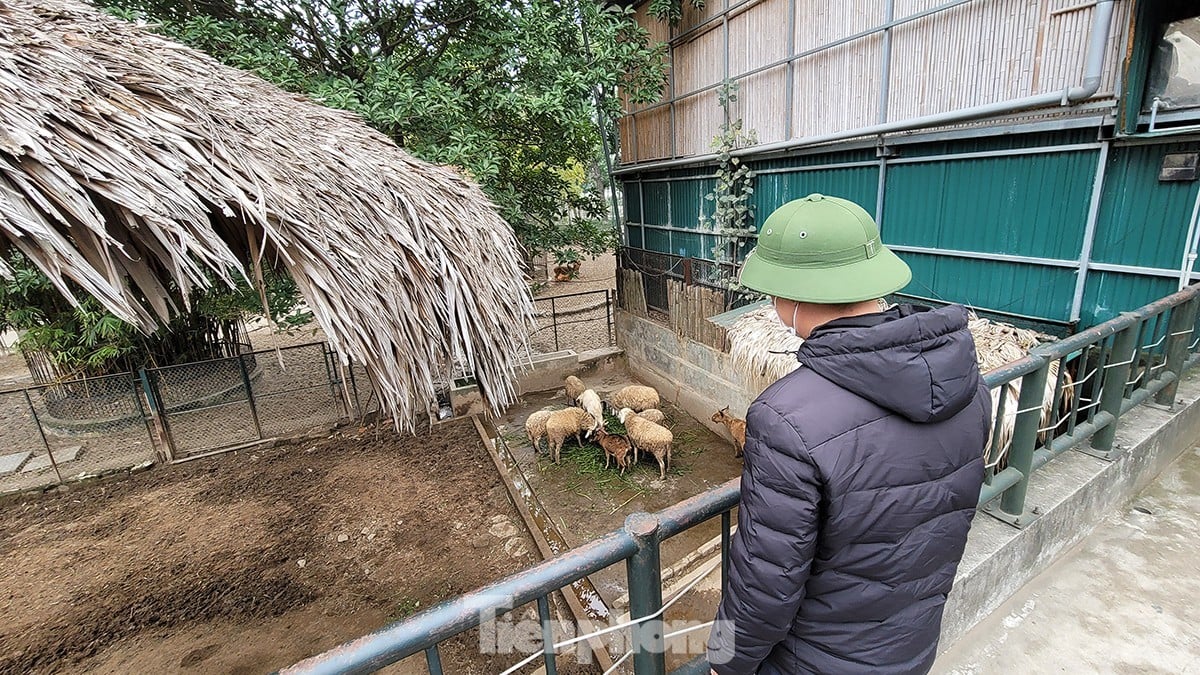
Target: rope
<point>605,631</point>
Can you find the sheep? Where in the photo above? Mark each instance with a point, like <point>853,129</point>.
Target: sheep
<point>535,427</point>
<point>615,447</point>
<point>590,401</point>
<point>736,427</point>
<point>648,436</point>
<point>654,415</point>
<point>563,424</point>
<point>635,397</point>
<point>573,387</point>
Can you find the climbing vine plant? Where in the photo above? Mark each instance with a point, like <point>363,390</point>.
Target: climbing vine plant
<point>671,10</point>
<point>732,219</point>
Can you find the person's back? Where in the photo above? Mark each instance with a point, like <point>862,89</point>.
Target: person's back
<point>863,468</point>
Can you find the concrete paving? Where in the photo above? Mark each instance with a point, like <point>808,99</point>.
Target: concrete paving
<point>1122,601</point>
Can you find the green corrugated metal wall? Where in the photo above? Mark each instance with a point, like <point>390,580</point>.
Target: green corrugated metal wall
<point>1033,205</point>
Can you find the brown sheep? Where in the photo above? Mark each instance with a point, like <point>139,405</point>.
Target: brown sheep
<point>563,424</point>
<point>535,427</point>
<point>636,397</point>
<point>736,427</point>
<point>615,447</point>
<point>648,436</point>
<point>573,387</point>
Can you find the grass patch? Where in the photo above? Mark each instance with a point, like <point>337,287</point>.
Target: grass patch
<point>404,609</point>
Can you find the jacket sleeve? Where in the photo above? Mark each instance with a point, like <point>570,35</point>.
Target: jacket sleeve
<point>772,551</point>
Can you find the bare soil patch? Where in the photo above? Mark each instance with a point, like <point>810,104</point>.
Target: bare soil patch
<point>250,561</point>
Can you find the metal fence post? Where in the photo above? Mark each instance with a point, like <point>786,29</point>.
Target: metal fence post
<point>37,421</point>
<point>554,321</point>
<point>645,595</point>
<point>1113,385</point>
<point>158,414</point>
<point>1025,428</point>
<point>608,322</point>
<point>250,395</point>
<point>1179,336</point>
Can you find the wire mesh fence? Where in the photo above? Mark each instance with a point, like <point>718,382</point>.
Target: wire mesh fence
<point>78,428</point>
<point>578,321</point>
<point>74,429</point>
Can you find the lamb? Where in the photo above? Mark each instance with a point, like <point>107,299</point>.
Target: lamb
<point>648,436</point>
<point>654,415</point>
<point>736,427</point>
<point>615,447</point>
<point>635,397</point>
<point>573,387</point>
<point>563,424</point>
<point>535,427</point>
<point>590,401</point>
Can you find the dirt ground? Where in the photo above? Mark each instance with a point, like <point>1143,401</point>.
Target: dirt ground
<point>251,561</point>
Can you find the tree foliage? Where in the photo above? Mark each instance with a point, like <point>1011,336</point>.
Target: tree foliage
<point>511,91</point>
<point>87,339</point>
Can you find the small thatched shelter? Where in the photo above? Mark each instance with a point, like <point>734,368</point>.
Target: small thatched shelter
<point>131,165</point>
<point>763,350</point>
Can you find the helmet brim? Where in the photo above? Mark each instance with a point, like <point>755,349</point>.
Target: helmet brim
<point>866,279</point>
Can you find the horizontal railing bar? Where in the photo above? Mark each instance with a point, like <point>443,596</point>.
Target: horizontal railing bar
<point>1146,391</point>
<point>410,636</point>
<point>1066,442</point>
<point>695,510</point>
<point>548,298</point>
<point>1000,482</point>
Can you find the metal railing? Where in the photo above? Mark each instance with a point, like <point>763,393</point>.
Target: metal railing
<point>1118,365</point>
<point>589,315</point>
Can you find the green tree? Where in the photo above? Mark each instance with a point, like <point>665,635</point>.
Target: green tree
<point>88,340</point>
<point>518,93</point>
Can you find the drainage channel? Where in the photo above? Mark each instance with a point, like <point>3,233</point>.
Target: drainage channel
<point>583,599</point>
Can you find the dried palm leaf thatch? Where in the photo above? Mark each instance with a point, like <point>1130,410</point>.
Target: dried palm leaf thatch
<point>764,350</point>
<point>137,167</point>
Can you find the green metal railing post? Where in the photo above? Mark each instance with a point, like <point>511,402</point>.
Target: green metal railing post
<point>645,595</point>
<point>250,395</point>
<point>1025,429</point>
<point>1179,336</point>
<point>1116,373</point>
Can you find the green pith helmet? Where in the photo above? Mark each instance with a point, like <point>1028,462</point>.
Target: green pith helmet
<point>823,250</point>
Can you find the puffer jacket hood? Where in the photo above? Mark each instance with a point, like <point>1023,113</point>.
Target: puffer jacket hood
<point>928,356</point>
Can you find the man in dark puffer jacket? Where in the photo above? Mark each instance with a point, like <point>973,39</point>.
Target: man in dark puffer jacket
<point>862,467</point>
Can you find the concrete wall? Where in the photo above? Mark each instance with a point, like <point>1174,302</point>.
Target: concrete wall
<point>696,378</point>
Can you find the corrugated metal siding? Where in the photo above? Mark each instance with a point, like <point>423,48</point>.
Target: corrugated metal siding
<point>1031,205</point>
<point>1142,221</point>
<point>688,202</point>
<point>772,190</point>
<point>1110,293</point>
<point>657,240</point>
<point>636,235</point>
<point>633,201</point>
<point>656,203</point>
<point>1017,288</point>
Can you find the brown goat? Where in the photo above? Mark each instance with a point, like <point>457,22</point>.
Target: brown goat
<point>615,447</point>
<point>736,427</point>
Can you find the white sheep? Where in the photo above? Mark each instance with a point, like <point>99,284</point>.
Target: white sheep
<point>590,401</point>
<point>636,397</point>
<point>646,435</point>
<point>573,387</point>
<point>562,424</point>
<point>535,427</point>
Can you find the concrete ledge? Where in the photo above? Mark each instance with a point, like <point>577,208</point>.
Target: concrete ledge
<point>547,371</point>
<point>1072,494</point>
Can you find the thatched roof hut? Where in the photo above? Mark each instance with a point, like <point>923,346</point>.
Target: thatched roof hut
<point>131,164</point>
